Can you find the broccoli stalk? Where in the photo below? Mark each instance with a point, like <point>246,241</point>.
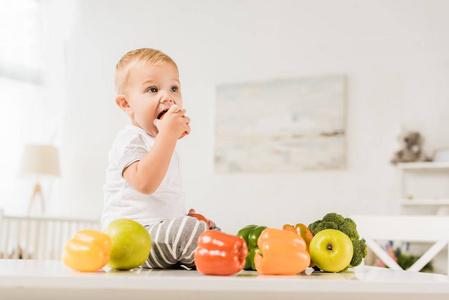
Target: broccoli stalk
<point>348,227</point>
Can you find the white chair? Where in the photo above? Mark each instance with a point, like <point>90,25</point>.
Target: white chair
<point>422,229</point>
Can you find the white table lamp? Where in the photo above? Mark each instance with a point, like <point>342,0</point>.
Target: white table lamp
<point>38,161</point>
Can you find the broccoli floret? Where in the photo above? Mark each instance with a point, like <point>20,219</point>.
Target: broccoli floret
<point>334,218</point>
<point>359,250</point>
<point>350,221</point>
<point>325,225</point>
<point>313,225</point>
<point>348,227</point>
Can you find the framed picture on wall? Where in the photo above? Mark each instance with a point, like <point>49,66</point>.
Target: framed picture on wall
<point>283,125</point>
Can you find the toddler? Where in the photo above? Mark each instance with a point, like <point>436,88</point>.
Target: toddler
<point>143,178</point>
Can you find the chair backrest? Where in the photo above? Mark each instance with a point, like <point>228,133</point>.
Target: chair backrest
<point>38,237</point>
<point>403,228</point>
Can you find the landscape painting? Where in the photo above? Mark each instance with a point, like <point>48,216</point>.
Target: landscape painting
<point>281,126</point>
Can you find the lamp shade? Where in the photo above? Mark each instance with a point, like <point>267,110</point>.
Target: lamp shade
<point>39,160</point>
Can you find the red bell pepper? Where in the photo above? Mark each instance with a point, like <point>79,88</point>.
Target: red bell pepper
<point>199,217</point>
<point>219,253</point>
<point>182,135</point>
<point>281,253</point>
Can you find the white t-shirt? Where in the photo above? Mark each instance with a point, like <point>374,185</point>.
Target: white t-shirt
<point>122,201</point>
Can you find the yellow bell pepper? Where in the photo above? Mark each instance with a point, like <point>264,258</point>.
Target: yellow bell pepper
<point>87,251</point>
<point>281,253</point>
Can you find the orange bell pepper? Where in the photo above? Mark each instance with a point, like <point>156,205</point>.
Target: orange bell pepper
<point>87,251</point>
<point>288,227</point>
<point>219,253</point>
<point>281,253</point>
<point>302,230</point>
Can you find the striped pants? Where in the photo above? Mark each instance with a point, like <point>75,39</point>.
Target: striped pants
<point>173,243</point>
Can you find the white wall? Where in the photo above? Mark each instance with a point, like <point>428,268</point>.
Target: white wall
<point>395,55</point>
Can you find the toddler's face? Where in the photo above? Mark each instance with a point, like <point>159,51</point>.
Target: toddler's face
<point>152,90</point>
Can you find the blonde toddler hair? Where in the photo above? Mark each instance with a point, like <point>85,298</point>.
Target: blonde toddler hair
<point>134,58</point>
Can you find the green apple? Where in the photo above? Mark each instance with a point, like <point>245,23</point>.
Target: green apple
<point>131,244</point>
<point>331,250</point>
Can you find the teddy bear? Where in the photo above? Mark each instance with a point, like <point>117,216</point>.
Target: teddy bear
<point>411,151</point>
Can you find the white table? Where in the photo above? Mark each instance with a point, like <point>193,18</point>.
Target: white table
<point>32,279</point>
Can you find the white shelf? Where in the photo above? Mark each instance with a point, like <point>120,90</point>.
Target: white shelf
<point>424,165</point>
<point>429,202</point>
